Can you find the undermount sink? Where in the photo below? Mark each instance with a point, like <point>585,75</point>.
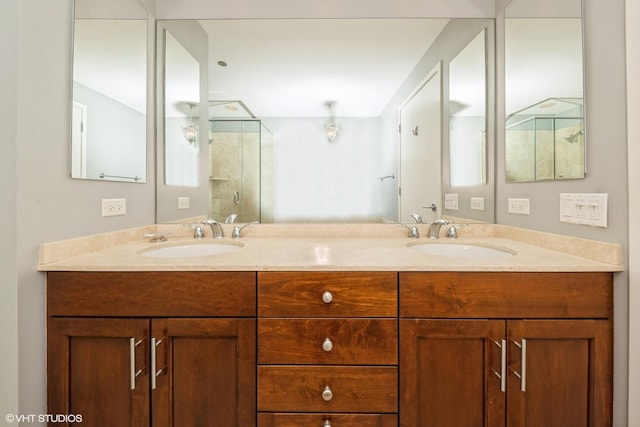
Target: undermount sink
<point>191,250</point>
<point>460,250</point>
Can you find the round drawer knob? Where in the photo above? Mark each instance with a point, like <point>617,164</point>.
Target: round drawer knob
<point>327,345</point>
<point>327,423</point>
<point>327,297</point>
<point>327,394</point>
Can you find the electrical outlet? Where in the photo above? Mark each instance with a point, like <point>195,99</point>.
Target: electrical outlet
<point>183,203</point>
<point>519,206</point>
<point>451,202</point>
<point>114,207</point>
<point>477,203</point>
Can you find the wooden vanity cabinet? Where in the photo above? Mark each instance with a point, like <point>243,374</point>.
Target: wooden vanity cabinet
<point>152,348</point>
<point>514,349</point>
<point>327,349</point>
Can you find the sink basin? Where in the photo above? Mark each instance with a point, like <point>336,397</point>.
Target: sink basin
<point>191,250</point>
<point>459,250</point>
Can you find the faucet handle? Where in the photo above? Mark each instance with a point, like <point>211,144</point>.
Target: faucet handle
<point>413,231</point>
<point>198,231</point>
<point>417,218</point>
<point>452,232</point>
<point>231,218</point>
<point>238,229</point>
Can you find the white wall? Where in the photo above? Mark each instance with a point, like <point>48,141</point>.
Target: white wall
<point>633,156</point>
<point>606,138</point>
<point>8,212</point>
<point>44,204</point>
<point>317,180</point>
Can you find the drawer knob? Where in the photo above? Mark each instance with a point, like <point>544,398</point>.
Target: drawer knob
<point>327,345</point>
<point>327,297</point>
<point>327,394</point>
<point>327,423</point>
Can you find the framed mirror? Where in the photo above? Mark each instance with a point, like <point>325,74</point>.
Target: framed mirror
<point>109,91</point>
<point>544,89</point>
<point>297,76</point>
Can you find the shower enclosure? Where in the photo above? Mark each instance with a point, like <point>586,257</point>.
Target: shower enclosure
<point>241,179</point>
<point>545,141</point>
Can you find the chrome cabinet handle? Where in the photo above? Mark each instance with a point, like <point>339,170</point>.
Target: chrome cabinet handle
<point>523,364</point>
<point>327,394</point>
<point>154,369</point>
<point>327,345</point>
<point>327,297</point>
<point>503,365</point>
<point>132,362</point>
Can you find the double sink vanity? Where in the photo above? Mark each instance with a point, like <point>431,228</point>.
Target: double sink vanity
<point>331,325</point>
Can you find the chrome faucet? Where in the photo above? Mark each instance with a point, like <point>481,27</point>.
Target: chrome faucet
<point>231,218</point>
<point>434,228</point>
<point>198,231</point>
<point>216,228</point>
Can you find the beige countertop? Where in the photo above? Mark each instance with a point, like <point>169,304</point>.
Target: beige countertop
<point>337,247</point>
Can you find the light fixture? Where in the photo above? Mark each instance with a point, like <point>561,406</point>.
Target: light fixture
<point>330,128</point>
<point>190,129</point>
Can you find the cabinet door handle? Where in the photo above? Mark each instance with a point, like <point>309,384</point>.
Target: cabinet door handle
<point>154,361</point>
<point>327,394</point>
<point>132,362</point>
<point>503,365</point>
<point>327,297</point>
<point>327,345</point>
<point>523,364</point>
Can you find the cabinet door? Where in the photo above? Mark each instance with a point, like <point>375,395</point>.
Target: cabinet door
<point>205,372</point>
<point>451,373</point>
<point>98,368</point>
<point>559,373</point>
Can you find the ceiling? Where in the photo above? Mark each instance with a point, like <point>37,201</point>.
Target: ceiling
<point>293,67</point>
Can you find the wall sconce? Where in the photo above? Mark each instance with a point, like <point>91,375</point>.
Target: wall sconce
<point>330,128</point>
<point>190,129</point>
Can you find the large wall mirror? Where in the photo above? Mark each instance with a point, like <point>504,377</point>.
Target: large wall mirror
<point>318,100</point>
<point>109,119</point>
<point>544,79</point>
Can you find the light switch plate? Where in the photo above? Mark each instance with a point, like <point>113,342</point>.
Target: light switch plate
<point>584,208</point>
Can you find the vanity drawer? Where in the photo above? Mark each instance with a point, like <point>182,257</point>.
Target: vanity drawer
<point>328,341</point>
<point>506,295</point>
<point>320,420</point>
<point>152,294</point>
<point>328,389</point>
<point>327,294</point>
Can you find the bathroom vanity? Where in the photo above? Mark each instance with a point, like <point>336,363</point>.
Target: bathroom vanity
<point>275,345</point>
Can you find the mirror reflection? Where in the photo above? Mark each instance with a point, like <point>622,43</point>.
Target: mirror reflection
<point>329,91</point>
<point>108,130</point>
<point>545,137</point>
<point>467,115</point>
<point>181,115</point>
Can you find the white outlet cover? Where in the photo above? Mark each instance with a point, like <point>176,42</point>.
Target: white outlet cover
<point>477,203</point>
<point>451,202</point>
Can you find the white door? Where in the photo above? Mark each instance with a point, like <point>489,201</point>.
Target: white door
<point>79,140</point>
<point>420,151</point>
